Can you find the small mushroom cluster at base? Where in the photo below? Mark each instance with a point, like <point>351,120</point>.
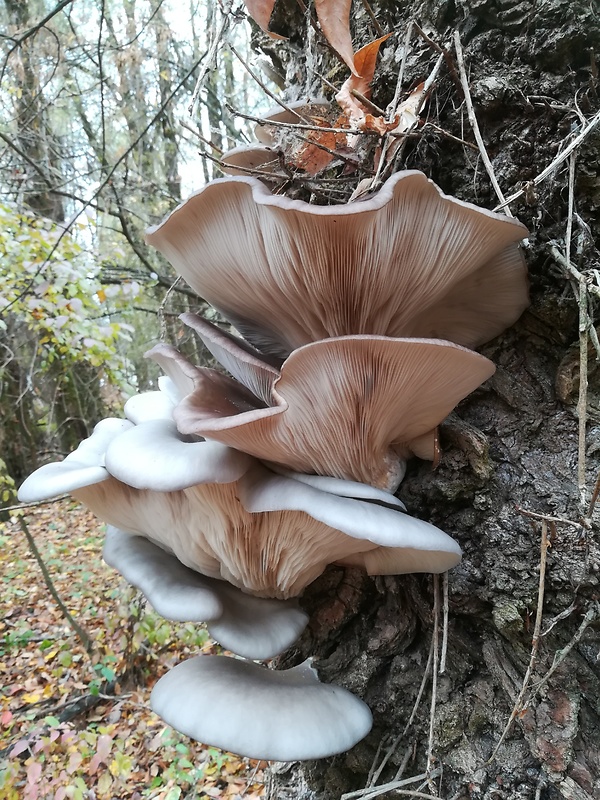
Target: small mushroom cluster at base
<point>226,495</point>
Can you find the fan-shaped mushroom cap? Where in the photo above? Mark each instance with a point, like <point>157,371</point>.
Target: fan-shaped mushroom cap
<point>242,160</point>
<point>339,407</point>
<point>298,111</point>
<point>409,261</point>
<point>267,534</point>
<point>350,489</point>
<point>249,626</point>
<point>282,716</point>
<point>379,523</point>
<point>82,467</point>
<point>153,456</point>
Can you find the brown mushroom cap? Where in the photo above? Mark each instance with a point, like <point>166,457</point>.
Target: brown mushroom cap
<point>340,407</point>
<point>242,160</point>
<point>409,261</point>
<point>294,113</point>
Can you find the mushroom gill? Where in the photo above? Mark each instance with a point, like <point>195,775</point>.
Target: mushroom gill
<point>227,516</point>
<point>407,262</point>
<point>346,407</point>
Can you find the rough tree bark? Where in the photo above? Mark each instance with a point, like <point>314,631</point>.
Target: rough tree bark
<point>512,446</point>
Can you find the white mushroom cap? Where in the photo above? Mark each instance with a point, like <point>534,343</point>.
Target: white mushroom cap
<point>82,467</point>
<point>249,626</point>
<point>412,544</point>
<point>174,591</point>
<point>342,488</point>
<point>270,535</point>
<point>149,406</point>
<point>261,713</point>
<point>407,262</point>
<point>255,627</point>
<point>153,455</point>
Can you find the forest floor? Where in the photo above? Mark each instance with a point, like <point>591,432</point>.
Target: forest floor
<point>76,724</point>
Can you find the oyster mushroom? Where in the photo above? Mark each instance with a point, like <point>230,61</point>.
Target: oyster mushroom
<point>228,517</point>
<point>286,715</point>
<point>407,262</point>
<point>347,407</point>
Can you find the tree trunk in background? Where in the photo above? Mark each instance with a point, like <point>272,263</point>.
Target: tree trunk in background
<point>41,163</point>
<point>512,445</point>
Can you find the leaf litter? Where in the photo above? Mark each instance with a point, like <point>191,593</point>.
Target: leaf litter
<point>75,726</point>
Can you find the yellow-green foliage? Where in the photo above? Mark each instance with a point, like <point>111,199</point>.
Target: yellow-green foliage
<point>48,284</point>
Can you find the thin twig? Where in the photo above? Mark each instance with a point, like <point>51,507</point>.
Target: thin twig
<point>394,745</point>
<point>574,272</point>
<point>582,302</point>
<point>451,136</point>
<point>556,162</point>
<point>594,497</point>
<point>391,109</point>
<point>376,791</point>
<point>368,103</point>
<point>432,709</point>
<point>451,66</point>
<point>475,125</point>
<point>161,309</point>
<point>547,518</point>
<point>563,615</point>
<point>82,634</point>
<point>211,55</point>
<point>207,142</point>
<point>376,25</point>
<point>301,126</point>
<point>591,615</point>
<point>265,89</point>
<point>21,506</point>
<point>446,609</point>
<point>518,706</point>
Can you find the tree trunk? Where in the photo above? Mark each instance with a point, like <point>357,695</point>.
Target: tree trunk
<point>511,448</point>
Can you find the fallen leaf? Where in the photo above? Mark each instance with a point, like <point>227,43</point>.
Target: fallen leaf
<point>365,61</point>
<point>31,697</point>
<point>334,19</point>
<point>309,154</point>
<point>260,11</point>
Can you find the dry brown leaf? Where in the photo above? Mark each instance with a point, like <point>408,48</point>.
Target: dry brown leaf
<point>407,115</point>
<point>310,157</point>
<point>365,61</point>
<point>260,11</point>
<point>334,19</point>
<point>406,118</point>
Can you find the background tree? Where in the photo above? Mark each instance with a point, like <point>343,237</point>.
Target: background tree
<point>91,140</point>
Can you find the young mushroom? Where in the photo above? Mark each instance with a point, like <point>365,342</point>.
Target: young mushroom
<point>286,715</point>
<point>247,159</point>
<point>407,262</point>
<point>268,132</point>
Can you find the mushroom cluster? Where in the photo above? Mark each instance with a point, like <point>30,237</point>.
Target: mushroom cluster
<point>226,495</point>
